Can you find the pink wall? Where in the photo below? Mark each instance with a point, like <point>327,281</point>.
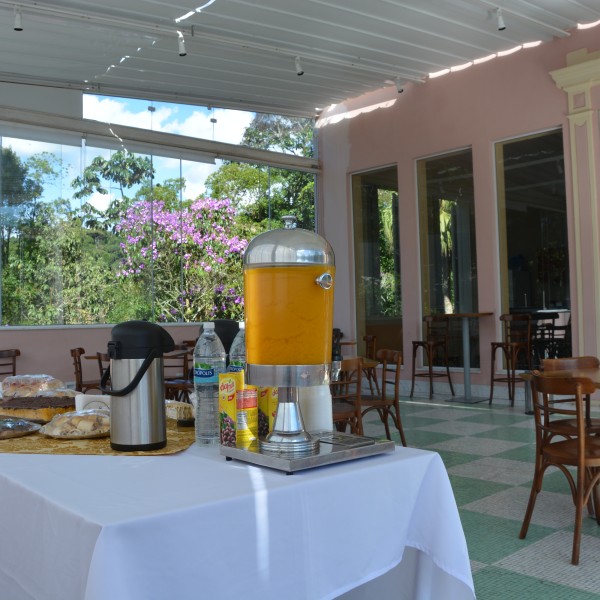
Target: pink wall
<point>506,97</point>
<point>46,349</point>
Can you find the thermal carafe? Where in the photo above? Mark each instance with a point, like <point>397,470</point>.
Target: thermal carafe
<point>137,419</point>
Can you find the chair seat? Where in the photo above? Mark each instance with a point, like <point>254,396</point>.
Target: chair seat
<point>565,452</point>
<point>569,427</point>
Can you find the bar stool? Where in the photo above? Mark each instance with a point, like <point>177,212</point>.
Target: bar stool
<point>516,343</point>
<point>437,331</point>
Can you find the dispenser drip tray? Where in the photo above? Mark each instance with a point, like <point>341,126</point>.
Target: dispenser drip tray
<point>333,447</point>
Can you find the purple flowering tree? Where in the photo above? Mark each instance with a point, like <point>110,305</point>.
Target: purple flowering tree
<point>191,256</point>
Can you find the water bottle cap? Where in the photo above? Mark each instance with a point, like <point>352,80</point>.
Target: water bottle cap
<point>242,324</point>
<point>209,325</point>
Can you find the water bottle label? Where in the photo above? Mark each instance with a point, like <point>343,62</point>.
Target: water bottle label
<point>236,365</point>
<point>204,373</point>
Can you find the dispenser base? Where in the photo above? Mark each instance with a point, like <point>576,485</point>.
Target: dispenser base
<point>334,447</point>
<point>284,448</point>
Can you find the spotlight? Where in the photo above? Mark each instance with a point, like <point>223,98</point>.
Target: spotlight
<point>181,43</point>
<point>18,21</point>
<point>299,69</point>
<point>399,86</point>
<point>500,20</point>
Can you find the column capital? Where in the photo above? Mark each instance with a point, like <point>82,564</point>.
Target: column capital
<point>577,79</point>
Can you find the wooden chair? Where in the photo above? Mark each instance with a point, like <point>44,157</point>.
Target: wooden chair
<point>437,329</point>
<point>543,326</point>
<point>515,346</point>
<point>387,403</point>
<point>581,452</point>
<point>81,385</point>
<point>8,362</point>
<point>370,372</point>
<point>103,360</point>
<point>176,370</point>
<point>346,396</point>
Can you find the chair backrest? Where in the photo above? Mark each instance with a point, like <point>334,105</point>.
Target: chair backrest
<point>176,365</point>
<point>570,363</point>
<point>346,393</point>
<point>370,345</point>
<point>103,362</point>
<point>437,328</point>
<point>76,354</point>
<point>8,361</point>
<point>517,329</point>
<point>348,387</point>
<point>391,363</point>
<point>550,411</point>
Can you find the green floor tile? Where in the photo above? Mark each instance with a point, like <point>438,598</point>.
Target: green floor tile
<point>525,453</point>
<point>513,434</point>
<point>497,418</point>
<point>452,459</point>
<point>468,490</point>
<point>491,538</point>
<point>492,583</point>
<point>410,421</point>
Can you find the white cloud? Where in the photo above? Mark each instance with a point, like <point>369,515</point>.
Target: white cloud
<point>178,119</point>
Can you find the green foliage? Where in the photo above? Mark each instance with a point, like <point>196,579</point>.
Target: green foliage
<point>262,194</point>
<point>154,254</point>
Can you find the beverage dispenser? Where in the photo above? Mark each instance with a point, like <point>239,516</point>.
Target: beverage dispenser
<point>288,296</point>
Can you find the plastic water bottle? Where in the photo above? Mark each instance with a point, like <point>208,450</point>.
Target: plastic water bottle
<point>209,361</point>
<point>237,352</point>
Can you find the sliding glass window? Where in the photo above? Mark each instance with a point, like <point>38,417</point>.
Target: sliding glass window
<point>447,233</point>
<point>377,258</point>
<point>97,231</point>
<point>534,257</point>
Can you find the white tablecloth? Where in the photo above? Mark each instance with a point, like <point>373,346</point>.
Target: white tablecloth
<point>194,526</point>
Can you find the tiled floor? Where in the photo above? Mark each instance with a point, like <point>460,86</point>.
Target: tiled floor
<point>489,453</point>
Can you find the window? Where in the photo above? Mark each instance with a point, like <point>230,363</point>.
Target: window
<point>94,229</point>
<point>447,232</point>
<point>533,223</point>
<point>377,258</point>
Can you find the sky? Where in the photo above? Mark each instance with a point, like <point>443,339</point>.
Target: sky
<point>171,118</point>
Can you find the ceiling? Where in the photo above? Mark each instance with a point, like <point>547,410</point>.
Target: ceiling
<point>242,53</point>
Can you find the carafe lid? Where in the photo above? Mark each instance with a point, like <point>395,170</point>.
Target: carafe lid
<point>136,339</point>
<point>288,245</point>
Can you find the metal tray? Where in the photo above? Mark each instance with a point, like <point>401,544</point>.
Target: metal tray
<point>334,447</point>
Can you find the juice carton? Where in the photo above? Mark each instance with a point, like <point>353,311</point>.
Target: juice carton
<point>267,408</point>
<point>247,417</point>
<point>229,384</point>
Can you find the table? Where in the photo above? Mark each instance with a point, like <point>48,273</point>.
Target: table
<point>467,398</point>
<point>193,525</point>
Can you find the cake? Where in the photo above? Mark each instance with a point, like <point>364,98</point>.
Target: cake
<point>35,397</point>
<point>36,408</point>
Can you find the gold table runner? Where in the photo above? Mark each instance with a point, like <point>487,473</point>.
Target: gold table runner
<point>178,439</point>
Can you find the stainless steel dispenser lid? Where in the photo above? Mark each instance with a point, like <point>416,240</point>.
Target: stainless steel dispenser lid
<point>288,245</point>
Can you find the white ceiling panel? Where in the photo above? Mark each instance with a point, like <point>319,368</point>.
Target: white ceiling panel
<point>241,53</point>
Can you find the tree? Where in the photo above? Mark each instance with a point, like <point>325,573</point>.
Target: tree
<point>262,194</point>
<point>192,258</point>
<point>123,168</point>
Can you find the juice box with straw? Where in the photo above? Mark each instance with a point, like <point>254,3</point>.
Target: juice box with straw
<point>247,417</point>
<point>268,398</point>
<point>229,384</point>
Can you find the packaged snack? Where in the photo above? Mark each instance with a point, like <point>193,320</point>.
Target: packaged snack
<point>247,417</point>
<point>10,427</point>
<point>78,425</point>
<point>27,386</point>
<point>268,398</point>
<point>229,384</point>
